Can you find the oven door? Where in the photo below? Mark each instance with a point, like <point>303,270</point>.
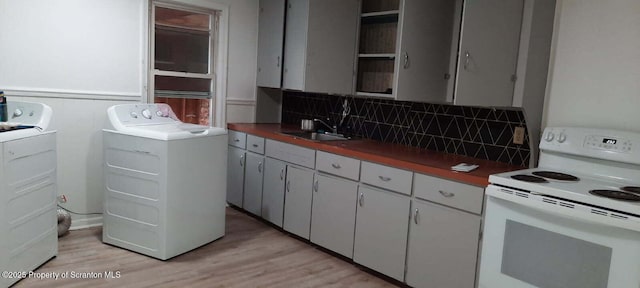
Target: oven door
<point>534,243</point>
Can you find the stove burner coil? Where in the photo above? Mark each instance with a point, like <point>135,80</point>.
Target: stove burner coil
<point>618,195</point>
<point>556,175</point>
<point>631,189</point>
<point>529,178</point>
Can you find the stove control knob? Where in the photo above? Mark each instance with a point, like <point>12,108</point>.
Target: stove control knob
<point>562,137</point>
<point>17,112</point>
<point>549,137</point>
<point>146,113</point>
<point>133,114</point>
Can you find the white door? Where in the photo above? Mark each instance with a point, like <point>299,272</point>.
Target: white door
<point>270,40</point>
<point>529,242</point>
<point>488,52</point>
<point>253,183</point>
<point>382,222</point>
<point>295,47</point>
<point>333,215</point>
<point>275,172</point>
<point>235,176</point>
<point>297,201</point>
<point>442,240</point>
<point>424,50</point>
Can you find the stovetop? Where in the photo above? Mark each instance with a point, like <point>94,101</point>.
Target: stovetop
<point>577,191</point>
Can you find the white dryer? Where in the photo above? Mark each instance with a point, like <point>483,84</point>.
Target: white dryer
<point>28,219</point>
<point>165,181</point>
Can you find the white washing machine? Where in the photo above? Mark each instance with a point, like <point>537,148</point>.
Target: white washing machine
<point>165,181</point>
<point>28,219</point>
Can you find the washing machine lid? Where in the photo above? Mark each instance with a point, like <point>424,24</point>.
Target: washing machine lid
<point>171,131</point>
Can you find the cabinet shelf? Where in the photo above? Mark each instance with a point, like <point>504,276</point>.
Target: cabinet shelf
<point>381,14</point>
<point>389,56</point>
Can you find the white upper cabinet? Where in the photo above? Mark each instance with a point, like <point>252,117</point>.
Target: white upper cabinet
<point>405,48</point>
<point>319,49</point>
<point>270,35</point>
<point>488,53</point>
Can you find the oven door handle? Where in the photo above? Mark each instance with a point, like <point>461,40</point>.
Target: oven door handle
<point>579,212</point>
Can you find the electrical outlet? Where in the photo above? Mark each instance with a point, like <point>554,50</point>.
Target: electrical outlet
<point>518,136</point>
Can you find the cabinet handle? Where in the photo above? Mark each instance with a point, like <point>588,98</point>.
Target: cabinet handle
<point>467,57</point>
<point>385,179</point>
<point>336,166</point>
<point>255,145</point>
<point>241,160</point>
<point>236,140</point>
<point>278,64</point>
<point>415,216</point>
<point>361,199</point>
<point>406,60</point>
<point>281,174</point>
<point>446,194</point>
<point>315,185</point>
<point>288,186</point>
<point>260,167</point>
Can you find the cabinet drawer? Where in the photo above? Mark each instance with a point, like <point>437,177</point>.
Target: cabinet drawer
<point>338,165</point>
<point>238,139</point>
<point>450,193</point>
<point>291,153</point>
<point>255,144</point>
<point>387,177</point>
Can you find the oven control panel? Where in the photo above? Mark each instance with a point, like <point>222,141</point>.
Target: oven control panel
<point>609,143</point>
<point>604,144</point>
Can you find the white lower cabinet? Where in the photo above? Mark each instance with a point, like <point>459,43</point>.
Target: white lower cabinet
<point>253,183</point>
<point>275,172</point>
<point>381,231</point>
<point>297,201</point>
<point>333,215</point>
<point>443,246</point>
<point>235,176</point>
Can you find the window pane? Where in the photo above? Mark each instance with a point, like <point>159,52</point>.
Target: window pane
<point>194,111</point>
<point>169,86</point>
<point>181,41</point>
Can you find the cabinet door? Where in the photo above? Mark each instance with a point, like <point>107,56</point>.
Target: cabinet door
<point>295,48</point>
<point>297,203</point>
<point>333,215</point>
<point>273,190</point>
<point>253,183</point>
<point>425,49</point>
<point>489,42</point>
<point>270,39</point>
<point>443,247</point>
<point>381,231</point>
<point>235,176</point>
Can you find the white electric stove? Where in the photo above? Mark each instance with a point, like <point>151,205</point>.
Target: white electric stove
<point>572,222</point>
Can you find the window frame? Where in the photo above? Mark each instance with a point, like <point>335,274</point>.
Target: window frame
<point>218,30</point>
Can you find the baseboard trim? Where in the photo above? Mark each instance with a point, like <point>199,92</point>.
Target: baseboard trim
<point>85,223</point>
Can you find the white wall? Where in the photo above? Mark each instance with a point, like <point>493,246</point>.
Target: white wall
<point>81,71</point>
<point>595,69</point>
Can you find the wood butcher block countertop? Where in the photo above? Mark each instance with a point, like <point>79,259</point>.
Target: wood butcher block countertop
<point>399,156</point>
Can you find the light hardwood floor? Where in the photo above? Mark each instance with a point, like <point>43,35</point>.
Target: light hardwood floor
<point>252,254</point>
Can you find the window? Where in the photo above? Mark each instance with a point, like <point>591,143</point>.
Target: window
<point>183,57</point>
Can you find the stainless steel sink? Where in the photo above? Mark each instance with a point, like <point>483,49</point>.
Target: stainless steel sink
<point>318,136</point>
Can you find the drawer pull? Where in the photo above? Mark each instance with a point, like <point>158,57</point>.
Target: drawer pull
<point>415,216</point>
<point>385,179</point>
<point>336,166</point>
<point>255,145</point>
<point>446,194</point>
<point>361,199</point>
<point>236,140</point>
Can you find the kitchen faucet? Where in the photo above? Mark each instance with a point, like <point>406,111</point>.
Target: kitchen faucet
<point>334,128</point>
